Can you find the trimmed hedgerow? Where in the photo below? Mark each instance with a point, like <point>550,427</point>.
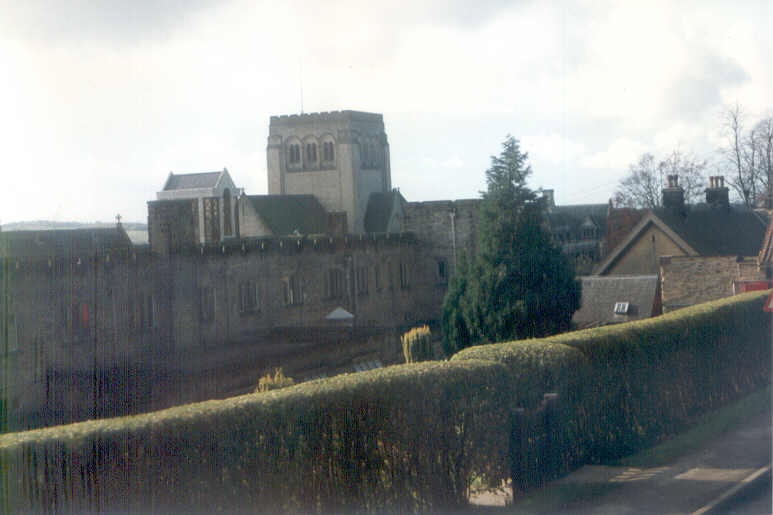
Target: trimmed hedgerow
<point>627,386</point>
<point>406,438</point>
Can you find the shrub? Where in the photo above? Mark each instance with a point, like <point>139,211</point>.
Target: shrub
<point>278,380</point>
<point>417,344</point>
<point>404,439</point>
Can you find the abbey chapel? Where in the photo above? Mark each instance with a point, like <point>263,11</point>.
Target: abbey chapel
<point>319,276</point>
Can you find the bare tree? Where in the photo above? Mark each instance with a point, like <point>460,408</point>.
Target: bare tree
<point>641,188</point>
<point>762,141</point>
<point>742,155</point>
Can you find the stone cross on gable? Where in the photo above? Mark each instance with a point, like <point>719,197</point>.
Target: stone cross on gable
<point>118,219</point>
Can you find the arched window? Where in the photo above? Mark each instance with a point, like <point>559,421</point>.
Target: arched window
<point>311,152</point>
<point>294,154</point>
<point>328,151</point>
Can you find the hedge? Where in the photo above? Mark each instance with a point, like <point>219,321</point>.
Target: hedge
<point>406,438</point>
<point>624,387</point>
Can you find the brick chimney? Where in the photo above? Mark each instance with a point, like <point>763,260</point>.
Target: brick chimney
<point>717,194</point>
<point>673,195</point>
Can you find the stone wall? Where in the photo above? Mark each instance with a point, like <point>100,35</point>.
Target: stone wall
<point>114,321</point>
<point>688,280</point>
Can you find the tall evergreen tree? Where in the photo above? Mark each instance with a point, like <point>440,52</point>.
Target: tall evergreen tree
<point>520,285</point>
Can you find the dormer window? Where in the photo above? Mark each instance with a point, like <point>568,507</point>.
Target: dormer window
<point>621,308</point>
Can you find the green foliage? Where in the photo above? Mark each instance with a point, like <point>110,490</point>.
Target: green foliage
<point>627,386</point>
<point>273,382</point>
<point>407,438</point>
<point>402,439</point>
<point>520,285</point>
<point>417,344</point>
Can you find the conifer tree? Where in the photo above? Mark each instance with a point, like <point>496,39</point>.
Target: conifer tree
<point>520,284</point>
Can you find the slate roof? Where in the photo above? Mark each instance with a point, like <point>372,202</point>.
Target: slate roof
<point>192,181</point>
<point>600,294</point>
<point>711,231</point>
<point>63,242</point>
<point>286,214</point>
<point>570,219</point>
<point>379,211</point>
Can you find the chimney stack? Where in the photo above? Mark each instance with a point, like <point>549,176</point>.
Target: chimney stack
<point>717,194</point>
<point>673,195</point>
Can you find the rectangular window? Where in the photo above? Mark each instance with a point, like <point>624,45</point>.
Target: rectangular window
<point>404,277</point>
<point>206,304</point>
<point>334,285</point>
<point>442,270</point>
<point>377,277</point>
<point>147,318</point>
<point>362,280</point>
<point>292,291</point>
<point>248,297</point>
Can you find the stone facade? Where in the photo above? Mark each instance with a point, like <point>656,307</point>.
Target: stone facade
<point>342,157</point>
<point>689,280</point>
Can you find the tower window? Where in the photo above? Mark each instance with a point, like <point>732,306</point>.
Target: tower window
<point>328,152</point>
<point>294,154</point>
<point>311,152</point>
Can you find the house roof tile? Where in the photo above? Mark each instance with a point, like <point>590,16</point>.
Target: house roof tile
<point>600,294</point>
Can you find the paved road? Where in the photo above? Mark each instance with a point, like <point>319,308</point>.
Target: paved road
<point>690,485</point>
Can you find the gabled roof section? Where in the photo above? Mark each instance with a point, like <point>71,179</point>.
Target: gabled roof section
<point>63,242</point>
<point>601,295</point>
<point>650,219</point>
<point>197,185</point>
<point>711,231</point>
<point>192,181</point>
<point>381,208</point>
<point>291,214</point>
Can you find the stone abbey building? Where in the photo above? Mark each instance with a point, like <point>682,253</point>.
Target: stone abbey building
<point>320,276</point>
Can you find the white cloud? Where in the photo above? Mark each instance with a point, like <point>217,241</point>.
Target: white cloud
<point>617,156</point>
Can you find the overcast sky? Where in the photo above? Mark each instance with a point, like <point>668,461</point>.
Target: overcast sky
<point>99,101</point>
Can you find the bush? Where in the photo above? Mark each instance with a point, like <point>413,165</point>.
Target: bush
<point>278,380</point>
<point>406,438</point>
<point>417,345</point>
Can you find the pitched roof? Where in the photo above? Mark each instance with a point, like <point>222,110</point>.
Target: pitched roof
<point>701,230</point>
<point>711,231</point>
<point>288,214</point>
<point>571,218</point>
<point>379,211</point>
<point>601,294</point>
<point>192,181</point>
<point>62,242</point>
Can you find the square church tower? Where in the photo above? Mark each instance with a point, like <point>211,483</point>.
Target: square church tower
<point>340,157</point>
